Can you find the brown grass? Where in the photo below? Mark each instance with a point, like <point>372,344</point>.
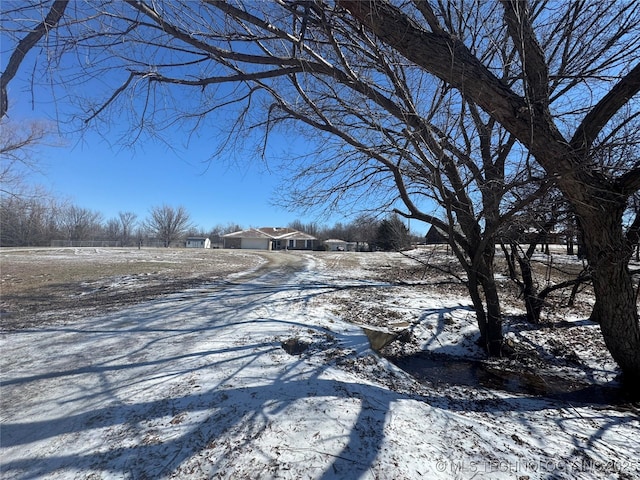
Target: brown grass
<point>48,285</point>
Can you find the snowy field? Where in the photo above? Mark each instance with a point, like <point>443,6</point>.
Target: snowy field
<point>264,371</point>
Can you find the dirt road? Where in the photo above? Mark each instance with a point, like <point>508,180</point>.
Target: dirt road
<point>134,393</point>
<point>55,286</point>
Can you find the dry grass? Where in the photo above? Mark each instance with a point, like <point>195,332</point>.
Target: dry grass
<point>47,285</point>
<point>437,268</point>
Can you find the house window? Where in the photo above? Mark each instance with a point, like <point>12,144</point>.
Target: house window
<point>292,243</point>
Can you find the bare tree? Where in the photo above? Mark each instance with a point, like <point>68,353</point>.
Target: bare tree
<point>216,233</point>
<point>18,141</point>
<point>311,228</point>
<point>29,219</point>
<point>77,223</point>
<point>559,53</point>
<point>168,224</point>
<point>362,231</point>
<point>127,224</point>
<point>112,230</point>
<point>529,230</point>
<point>390,94</point>
<point>26,43</point>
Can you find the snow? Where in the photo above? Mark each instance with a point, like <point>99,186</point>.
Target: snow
<point>198,385</point>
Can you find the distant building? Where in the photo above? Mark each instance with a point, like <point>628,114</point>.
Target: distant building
<point>198,242</point>
<point>269,238</point>
<point>435,236</point>
<point>336,245</point>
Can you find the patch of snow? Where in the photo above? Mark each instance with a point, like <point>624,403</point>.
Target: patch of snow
<point>197,385</point>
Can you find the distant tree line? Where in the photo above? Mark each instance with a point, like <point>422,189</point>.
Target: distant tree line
<point>367,232</point>
<point>38,220</point>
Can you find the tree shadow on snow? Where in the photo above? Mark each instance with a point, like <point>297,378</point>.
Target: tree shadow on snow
<point>99,370</point>
<point>134,395</point>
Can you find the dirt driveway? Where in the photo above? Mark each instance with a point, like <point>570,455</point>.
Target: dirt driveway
<point>48,286</point>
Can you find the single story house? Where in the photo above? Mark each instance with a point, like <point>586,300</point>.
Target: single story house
<point>198,242</point>
<point>269,238</point>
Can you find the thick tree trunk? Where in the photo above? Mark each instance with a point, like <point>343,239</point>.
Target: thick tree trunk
<point>616,309</point>
<point>478,306</point>
<point>494,338</point>
<point>484,295</point>
<point>530,120</point>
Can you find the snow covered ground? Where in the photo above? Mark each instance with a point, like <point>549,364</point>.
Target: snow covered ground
<point>262,377</point>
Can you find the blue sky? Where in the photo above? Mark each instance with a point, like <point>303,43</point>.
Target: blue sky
<point>95,171</point>
<point>109,178</point>
<point>95,175</point>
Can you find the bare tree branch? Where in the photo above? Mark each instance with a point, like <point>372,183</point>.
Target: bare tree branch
<point>605,109</point>
<point>450,60</point>
<point>24,46</point>
<point>534,64</point>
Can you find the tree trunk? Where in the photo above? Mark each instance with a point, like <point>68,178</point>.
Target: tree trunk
<point>532,302</point>
<point>616,310</point>
<point>478,306</point>
<point>484,295</point>
<point>494,338</point>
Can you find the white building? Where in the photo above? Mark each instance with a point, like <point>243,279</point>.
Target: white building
<point>198,242</point>
<point>336,245</point>
<point>270,238</point>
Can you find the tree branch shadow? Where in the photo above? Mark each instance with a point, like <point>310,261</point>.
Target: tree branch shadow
<point>198,384</point>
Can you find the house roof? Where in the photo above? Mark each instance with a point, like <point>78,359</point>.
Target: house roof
<point>274,233</point>
<point>250,233</point>
<point>439,235</point>
<point>335,240</point>
<point>296,235</point>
